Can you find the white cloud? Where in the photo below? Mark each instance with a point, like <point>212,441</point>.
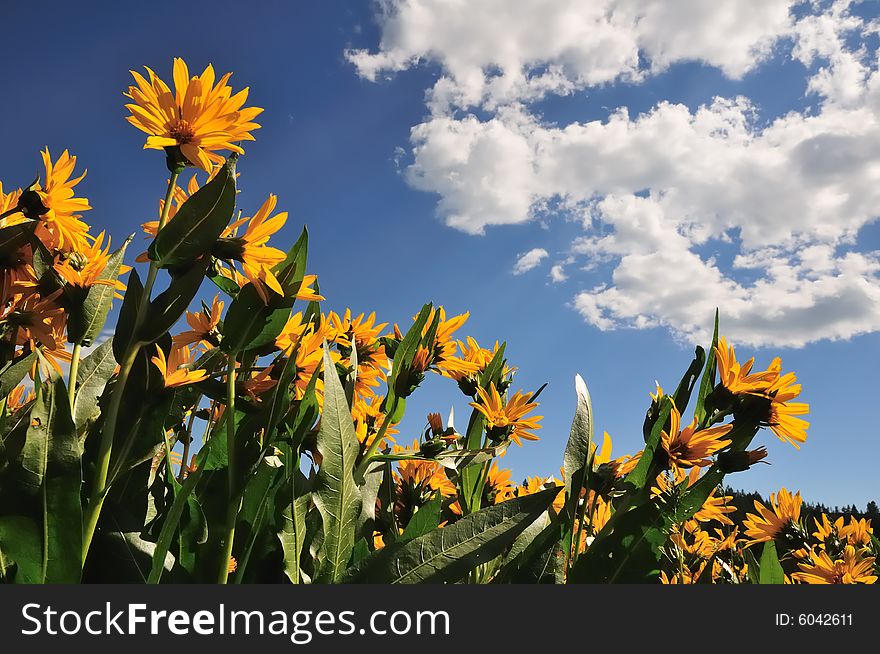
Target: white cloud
<point>493,52</point>
<point>684,210</point>
<point>529,260</point>
<point>557,274</point>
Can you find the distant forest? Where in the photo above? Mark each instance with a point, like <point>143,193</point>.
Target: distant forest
<point>745,503</point>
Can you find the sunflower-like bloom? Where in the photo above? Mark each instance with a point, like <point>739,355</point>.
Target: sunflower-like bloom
<point>769,523</point>
<point>499,485</point>
<point>738,378</point>
<point>83,268</point>
<point>259,383</point>
<point>361,335</point>
<point>9,204</point>
<point>203,326</point>
<point>417,482</point>
<point>475,358</point>
<point>853,567</point>
<point>37,319</point>
<point>58,208</point>
<point>177,368</point>
<point>257,259</point>
<point>858,532</point>
<point>308,339</point>
<point>368,418</point>
<point>200,117</point>
<point>19,397</point>
<point>692,446</point>
<point>507,420</point>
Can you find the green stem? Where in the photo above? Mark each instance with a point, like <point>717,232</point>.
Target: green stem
<point>374,446</point>
<point>74,370</point>
<point>105,448</point>
<point>234,502</point>
<point>186,443</point>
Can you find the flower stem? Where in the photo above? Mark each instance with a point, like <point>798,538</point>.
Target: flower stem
<point>105,448</point>
<point>234,503</point>
<point>74,370</point>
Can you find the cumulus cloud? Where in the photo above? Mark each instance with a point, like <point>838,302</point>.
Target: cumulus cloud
<point>529,260</point>
<point>557,274</point>
<point>683,209</point>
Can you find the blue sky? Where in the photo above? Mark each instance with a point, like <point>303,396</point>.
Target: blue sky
<point>338,150</point>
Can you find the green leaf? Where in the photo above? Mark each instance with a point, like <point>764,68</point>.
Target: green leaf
<point>20,543</point>
<point>424,520</point>
<point>448,554</point>
<point>86,320</point>
<point>51,461</point>
<point>682,393</point>
<point>94,372</point>
<point>628,554</point>
<point>13,372</point>
<point>336,494</point>
<point>12,238</point>
<point>577,460</point>
<point>250,323</point>
<point>171,304</point>
<point>707,384</point>
<point>125,324</point>
<point>198,223</point>
<point>293,535</point>
<point>770,569</point>
<point>639,475</point>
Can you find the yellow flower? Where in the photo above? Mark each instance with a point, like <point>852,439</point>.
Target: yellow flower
<point>176,370</point>
<point>858,532</point>
<point>257,259</point>
<point>204,326</point>
<point>60,212</point>
<point>507,420</point>
<point>691,446</point>
<point>771,522</point>
<point>852,567</point>
<point>738,378</point>
<point>84,267</point>
<point>200,117</point>
<point>499,486</point>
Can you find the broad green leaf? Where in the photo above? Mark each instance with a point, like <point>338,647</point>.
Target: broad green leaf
<point>51,461</point>
<point>94,372</point>
<point>198,223</point>
<point>336,495</point>
<point>124,335</point>
<point>171,304</point>
<point>423,521</point>
<point>683,391</point>
<point>628,554</point>
<point>87,319</point>
<point>707,384</point>
<point>13,372</point>
<point>639,475</point>
<point>293,536</point>
<point>770,569</point>
<point>577,460</point>
<point>447,554</point>
<point>13,237</point>
<point>20,543</point>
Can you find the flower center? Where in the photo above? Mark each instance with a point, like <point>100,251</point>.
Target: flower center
<point>182,132</point>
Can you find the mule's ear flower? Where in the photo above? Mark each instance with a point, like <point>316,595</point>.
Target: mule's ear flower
<point>507,420</point>
<point>201,117</point>
<point>774,522</point>
<point>52,201</point>
<point>176,369</point>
